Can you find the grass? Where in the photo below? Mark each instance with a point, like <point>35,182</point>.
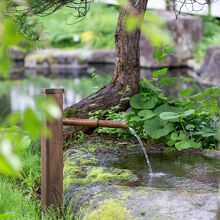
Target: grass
<point>61,29</point>
<point>19,197</point>
<point>12,201</point>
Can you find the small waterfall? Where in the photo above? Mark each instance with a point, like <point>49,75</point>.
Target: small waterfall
<point>144,150</point>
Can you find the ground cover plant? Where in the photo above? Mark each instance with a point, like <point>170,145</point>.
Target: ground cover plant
<point>189,120</point>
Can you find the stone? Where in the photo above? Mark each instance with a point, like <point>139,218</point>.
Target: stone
<point>17,54</point>
<point>105,179</point>
<point>106,56</point>
<point>56,59</point>
<point>186,32</point>
<point>210,70</point>
<point>146,203</point>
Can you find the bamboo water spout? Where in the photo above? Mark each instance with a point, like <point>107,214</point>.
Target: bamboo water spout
<point>52,150</point>
<point>94,123</point>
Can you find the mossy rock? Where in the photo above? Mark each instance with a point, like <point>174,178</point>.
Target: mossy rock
<point>109,210</point>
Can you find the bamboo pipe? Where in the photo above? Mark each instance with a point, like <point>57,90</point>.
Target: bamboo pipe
<point>94,123</point>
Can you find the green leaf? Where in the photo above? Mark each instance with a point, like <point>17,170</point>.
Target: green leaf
<point>9,162</point>
<point>186,92</point>
<point>165,108</point>
<point>168,80</point>
<point>186,144</point>
<point>157,128</point>
<point>31,123</point>
<point>188,79</point>
<point>146,114</point>
<point>169,115</point>
<point>142,102</point>
<point>174,136</point>
<point>131,23</point>
<point>188,112</point>
<point>160,72</point>
<point>190,127</point>
<point>7,215</point>
<point>135,118</point>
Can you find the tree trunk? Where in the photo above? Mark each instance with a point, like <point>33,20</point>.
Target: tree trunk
<point>125,81</point>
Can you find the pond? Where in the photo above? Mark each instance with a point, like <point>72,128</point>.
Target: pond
<point>19,92</point>
<point>183,171</point>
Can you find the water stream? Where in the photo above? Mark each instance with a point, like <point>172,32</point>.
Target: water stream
<point>144,150</point>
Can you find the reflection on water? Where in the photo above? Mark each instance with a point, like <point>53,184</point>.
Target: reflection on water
<point>19,93</point>
<point>182,171</point>
<point>16,95</point>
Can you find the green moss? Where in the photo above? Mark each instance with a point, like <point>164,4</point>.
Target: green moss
<point>125,196</point>
<point>109,209</point>
<point>82,175</point>
<point>38,57</point>
<point>72,112</point>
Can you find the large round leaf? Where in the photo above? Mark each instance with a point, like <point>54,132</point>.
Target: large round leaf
<point>157,128</point>
<point>169,115</point>
<point>142,102</point>
<point>146,114</point>
<point>165,108</point>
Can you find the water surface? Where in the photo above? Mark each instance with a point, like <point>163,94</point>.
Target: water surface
<point>179,171</point>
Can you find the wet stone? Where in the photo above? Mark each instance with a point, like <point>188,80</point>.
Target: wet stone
<point>110,180</point>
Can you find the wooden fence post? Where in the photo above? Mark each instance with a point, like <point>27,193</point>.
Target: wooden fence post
<point>52,156</point>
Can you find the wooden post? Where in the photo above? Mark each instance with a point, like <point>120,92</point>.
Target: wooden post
<point>52,156</point>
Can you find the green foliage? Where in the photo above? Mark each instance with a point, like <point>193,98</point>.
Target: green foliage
<point>110,114</point>
<point>153,27</point>
<point>71,34</point>
<point>18,206</point>
<point>189,121</point>
<point>9,36</point>
<point>211,37</point>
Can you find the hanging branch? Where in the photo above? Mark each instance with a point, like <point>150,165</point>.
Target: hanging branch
<point>189,5</point>
<point>28,24</point>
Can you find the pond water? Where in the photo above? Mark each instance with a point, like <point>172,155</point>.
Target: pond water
<point>20,92</point>
<point>181,171</point>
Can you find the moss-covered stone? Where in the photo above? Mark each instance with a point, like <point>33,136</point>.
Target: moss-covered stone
<point>39,58</point>
<point>87,175</point>
<point>109,210</point>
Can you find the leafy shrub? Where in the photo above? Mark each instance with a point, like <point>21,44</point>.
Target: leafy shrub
<point>211,37</point>
<point>100,20</point>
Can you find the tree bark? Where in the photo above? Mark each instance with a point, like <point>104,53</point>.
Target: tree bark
<point>125,81</point>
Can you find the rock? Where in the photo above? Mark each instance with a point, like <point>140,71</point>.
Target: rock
<point>186,32</point>
<point>105,179</point>
<point>56,59</point>
<point>210,71</point>
<point>17,54</point>
<point>106,56</point>
<point>97,202</point>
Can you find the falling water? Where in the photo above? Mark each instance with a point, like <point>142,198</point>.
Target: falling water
<point>144,150</point>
